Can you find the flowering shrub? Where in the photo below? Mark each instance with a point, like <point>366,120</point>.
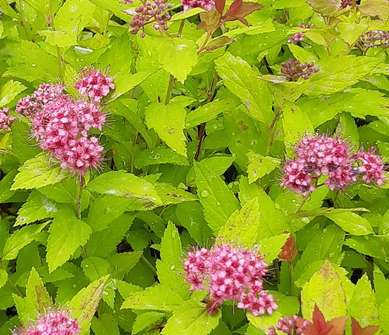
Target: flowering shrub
<point>201,167</point>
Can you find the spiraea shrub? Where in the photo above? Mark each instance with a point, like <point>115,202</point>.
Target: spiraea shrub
<point>194,167</point>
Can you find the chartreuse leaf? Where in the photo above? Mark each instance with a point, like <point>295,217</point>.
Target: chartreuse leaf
<point>270,247</point>
<point>351,223</point>
<point>3,277</point>
<point>241,227</point>
<point>326,245</point>
<point>260,166</point>
<point>125,82</point>
<point>84,304</point>
<point>337,73</point>
<point>126,185</point>
<point>176,55</point>
<point>67,234</point>
<point>375,246</point>
<point>208,112</point>
<point>37,299</point>
<point>169,122</point>
<point>146,320</point>
<point>169,267</point>
<point>19,239</point>
<point>9,91</point>
<point>363,304</point>
<point>159,297</point>
<point>384,316</point>
<point>296,124</point>
<point>191,318</point>
<point>37,207</point>
<point>244,82</point>
<point>329,289</point>
<point>381,285</point>
<point>287,305</point>
<point>38,172</point>
<point>216,198</point>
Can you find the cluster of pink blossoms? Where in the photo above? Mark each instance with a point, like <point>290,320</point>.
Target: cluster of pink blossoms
<point>346,3</point>
<point>52,323</point>
<point>293,69</point>
<point>5,119</point>
<point>61,125</point>
<point>290,325</point>
<point>204,4</point>
<point>375,38</point>
<point>320,155</point>
<point>296,38</point>
<point>229,274</point>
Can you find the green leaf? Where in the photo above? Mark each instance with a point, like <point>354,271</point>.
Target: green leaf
<point>327,289</point>
<point>260,166</point>
<point>3,277</point>
<point>157,297</point>
<point>169,268</point>
<point>381,285</point>
<point>351,223</point>
<point>208,112</point>
<point>37,207</point>
<point>176,55</point>
<point>146,320</point>
<point>37,299</point>
<point>169,122</point>
<point>191,318</point>
<point>216,198</point>
<point>125,81</point>
<point>321,246</point>
<point>363,305</point>
<point>67,234</point>
<point>241,228</point>
<point>374,246</point>
<point>384,316</point>
<point>350,31</point>
<point>20,239</point>
<point>270,247</point>
<point>296,124</point>
<point>38,172</point>
<point>126,185</point>
<point>105,324</point>
<point>337,73</point>
<point>244,82</point>
<point>95,267</point>
<point>84,304</point>
<point>159,155</point>
<point>10,91</point>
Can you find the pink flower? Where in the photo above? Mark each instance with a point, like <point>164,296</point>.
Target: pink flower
<point>293,69</point>
<point>52,323</point>
<point>290,325</point>
<point>5,119</point>
<point>345,3</point>
<point>229,274</point>
<point>370,166</point>
<point>95,85</point>
<point>45,94</point>
<point>204,4</point>
<point>296,38</point>
<point>297,178</point>
<point>151,11</point>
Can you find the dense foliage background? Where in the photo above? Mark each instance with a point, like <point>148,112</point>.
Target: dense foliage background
<point>201,120</point>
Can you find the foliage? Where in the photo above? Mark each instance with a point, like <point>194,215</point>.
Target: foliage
<point>204,102</point>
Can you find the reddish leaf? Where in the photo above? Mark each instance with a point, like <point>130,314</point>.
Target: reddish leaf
<point>289,250</point>
<point>320,326</point>
<point>239,10</point>
<point>358,330</point>
<point>210,21</point>
<point>219,5</point>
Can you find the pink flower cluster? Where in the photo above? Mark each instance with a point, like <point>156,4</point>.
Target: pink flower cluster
<point>204,4</point>
<point>290,325</point>
<point>151,11</point>
<point>61,125</point>
<point>346,3</point>
<point>296,38</point>
<point>52,323</point>
<point>375,38</point>
<point>95,85</point>
<point>321,155</point>
<point>293,69</point>
<point>5,119</point>
<point>230,274</point>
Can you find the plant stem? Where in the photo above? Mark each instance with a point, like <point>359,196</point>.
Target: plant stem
<point>77,205</point>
